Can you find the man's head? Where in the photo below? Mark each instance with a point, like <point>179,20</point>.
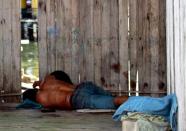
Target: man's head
<point>61,75</point>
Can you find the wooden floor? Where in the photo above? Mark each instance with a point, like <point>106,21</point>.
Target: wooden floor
<point>34,120</point>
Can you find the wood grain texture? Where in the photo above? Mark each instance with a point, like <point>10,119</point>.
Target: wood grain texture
<point>123,43</point>
<point>88,40</point>
<point>10,49</point>
<point>154,42</point>
<point>1,44</point>
<point>67,44</point>
<point>114,45</point>
<point>162,85</point>
<point>93,40</point>
<point>16,35</point>
<point>133,39</point>
<point>105,50</point>
<point>82,65</point>
<point>143,53</point>
<point>7,79</point>
<point>75,32</point>
<point>51,34</point>
<point>42,38</point>
<point>97,41</point>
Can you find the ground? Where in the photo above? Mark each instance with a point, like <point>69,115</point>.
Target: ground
<point>34,120</point>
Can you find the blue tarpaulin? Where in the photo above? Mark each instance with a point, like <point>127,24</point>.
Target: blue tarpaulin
<point>165,106</point>
<point>28,104</point>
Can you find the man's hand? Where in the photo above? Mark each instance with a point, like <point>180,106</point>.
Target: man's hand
<point>36,83</point>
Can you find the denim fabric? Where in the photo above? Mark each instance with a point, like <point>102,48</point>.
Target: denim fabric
<point>89,95</point>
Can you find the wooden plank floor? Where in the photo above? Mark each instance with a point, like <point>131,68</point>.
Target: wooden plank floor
<point>34,120</point>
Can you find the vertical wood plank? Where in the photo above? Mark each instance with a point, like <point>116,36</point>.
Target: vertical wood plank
<point>144,46</point>
<point>67,52</point>
<point>133,41</point>
<point>42,38</point>
<point>82,44</point>
<point>97,41</point>
<point>154,48</point>
<point>1,44</point>
<point>123,43</point>
<point>51,35</point>
<point>162,84</point>
<point>114,45</point>
<point>88,41</point>
<point>105,52</point>
<point>16,39</point>
<point>7,41</point>
<point>60,34</point>
<point>75,32</point>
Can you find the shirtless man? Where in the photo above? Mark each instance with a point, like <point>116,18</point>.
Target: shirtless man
<point>57,91</point>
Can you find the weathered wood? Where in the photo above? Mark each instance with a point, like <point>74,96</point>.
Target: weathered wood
<point>67,43</point>
<point>60,34</point>
<point>16,35</point>
<point>29,120</point>
<point>162,85</point>
<point>1,44</point>
<point>42,39</point>
<point>88,40</point>
<point>75,32</point>
<point>123,43</point>
<point>82,44</point>
<point>105,45</point>
<point>133,41</point>
<point>93,40</point>
<point>51,34</point>
<point>97,41</point>
<point>154,43</point>
<point>143,48</point>
<point>150,49</point>
<point>10,48</point>
<point>114,45</point>
<point>7,49</point>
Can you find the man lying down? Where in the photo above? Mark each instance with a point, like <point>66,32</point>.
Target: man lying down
<point>56,91</point>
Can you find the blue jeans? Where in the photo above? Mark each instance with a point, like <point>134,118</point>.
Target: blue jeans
<point>89,95</point>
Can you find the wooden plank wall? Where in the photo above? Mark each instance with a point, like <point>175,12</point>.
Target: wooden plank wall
<point>176,63</point>
<point>10,49</point>
<point>147,45</point>
<point>93,40</point>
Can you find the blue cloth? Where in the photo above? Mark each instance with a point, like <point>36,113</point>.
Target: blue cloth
<point>165,106</point>
<point>89,95</point>
<point>28,104</point>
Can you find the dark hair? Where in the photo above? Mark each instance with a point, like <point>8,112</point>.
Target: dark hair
<point>30,94</point>
<point>61,75</point>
